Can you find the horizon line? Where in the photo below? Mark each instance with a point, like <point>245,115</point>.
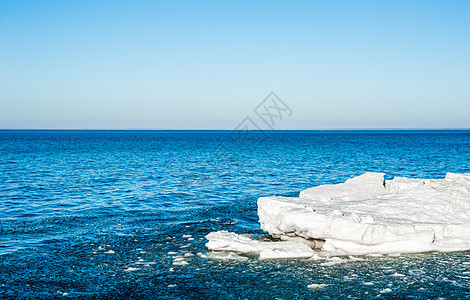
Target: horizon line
<point>206,129</point>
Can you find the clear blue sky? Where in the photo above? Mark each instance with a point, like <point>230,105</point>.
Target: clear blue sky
<point>207,64</point>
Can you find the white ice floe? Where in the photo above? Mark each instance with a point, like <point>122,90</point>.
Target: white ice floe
<point>315,286</point>
<point>229,241</point>
<point>367,215</point>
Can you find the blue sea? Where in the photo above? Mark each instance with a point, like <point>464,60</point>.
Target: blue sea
<point>101,214</point>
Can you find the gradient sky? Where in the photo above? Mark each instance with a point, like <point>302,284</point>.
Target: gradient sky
<point>207,64</point>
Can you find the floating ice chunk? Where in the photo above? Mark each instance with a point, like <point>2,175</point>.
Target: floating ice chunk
<point>333,261</point>
<point>178,258</point>
<point>330,261</point>
<point>356,259</point>
<point>367,215</point>
<point>315,286</point>
<point>110,252</point>
<point>131,269</point>
<point>229,241</point>
<point>180,263</point>
<point>387,290</point>
<point>226,256</point>
<point>185,236</point>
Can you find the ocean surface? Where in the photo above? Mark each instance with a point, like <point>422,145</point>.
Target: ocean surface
<point>103,214</point>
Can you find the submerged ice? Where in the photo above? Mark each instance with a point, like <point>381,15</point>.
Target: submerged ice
<point>364,215</point>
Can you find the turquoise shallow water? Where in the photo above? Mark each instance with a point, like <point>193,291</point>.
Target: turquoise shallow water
<point>69,197</point>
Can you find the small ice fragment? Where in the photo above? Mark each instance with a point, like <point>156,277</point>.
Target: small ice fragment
<point>315,286</point>
<point>189,254</point>
<point>191,239</point>
<point>230,241</point>
<point>314,257</point>
<point>131,269</point>
<point>172,285</point>
<point>171,270</point>
<point>398,275</point>
<point>387,290</point>
<point>180,263</point>
<point>226,256</point>
<point>100,248</point>
<point>179,258</point>
<point>147,264</point>
<point>368,283</point>
<point>172,253</point>
<point>110,252</point>
<point>185,236</point>
<point>353,258</point>
<point>333,261</point>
